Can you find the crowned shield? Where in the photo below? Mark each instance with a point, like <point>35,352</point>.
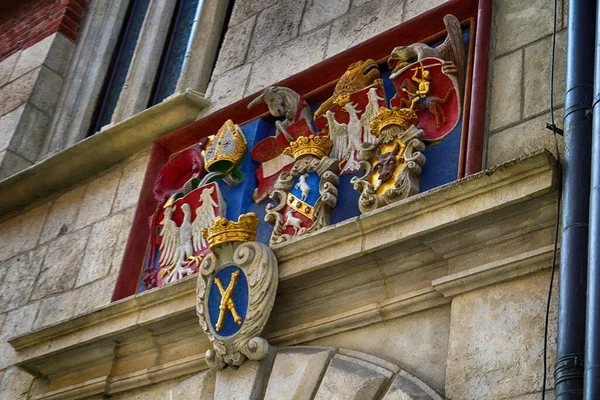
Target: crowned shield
<point>236,290</point>
<point>305,195</point>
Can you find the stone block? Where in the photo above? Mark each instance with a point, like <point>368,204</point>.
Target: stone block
<point>297,372</point>
<point>20,273</point>
<point>405,387</point>
<point>350,378</point>
<point>8,125</point>
<point>57,308</point>
<point>99,251</point>
<point>62,264</point>
<point>21,233</point>
<point>247,382</point>
<point>505,101</point>
<point>63,214</point>
<point>319,13</point>
<point>235,46</point>
<point>288,60</point>
<point>275,26</point>
<point>32,57</point>
<point>12,163</point>
<point>99,198</point>
<point>417,342</point>
<point>131,183</point>
<point>119,251</point>
<point>95,295</point>
<point>227,88</point>
<point>198,387</point>
<point>60,54</point>
<point>6,67</point>
<point>537,75</point>
<point>522,139</point>
<point>519,23</point>
<point>495,345</point>
<point>18,91</point>
<point>17,322</point>
<point>415,8</point>
<point>15,384</point>
<point>29,135</point>
<point>47,89</point>
<point>243,9</point>
<point>362,23</point>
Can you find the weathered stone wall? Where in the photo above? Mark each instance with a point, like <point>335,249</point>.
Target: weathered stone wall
<point>60,256</point>
<point>519,99</point>
<point>30,83</point>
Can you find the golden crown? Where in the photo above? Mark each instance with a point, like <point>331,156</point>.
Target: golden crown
<point>224,231</point>
<point>318,146</point>
<point>226,149</point>
<point>403,117</point>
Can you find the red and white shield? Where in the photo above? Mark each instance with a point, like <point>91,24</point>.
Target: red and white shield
<point>178,232</point>
<point>439,109</point>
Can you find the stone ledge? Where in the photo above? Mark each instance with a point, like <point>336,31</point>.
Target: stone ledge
<point>100,151</point>
<point>141,340</point>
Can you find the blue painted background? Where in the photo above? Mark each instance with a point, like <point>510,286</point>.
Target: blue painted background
<point>240,299</point>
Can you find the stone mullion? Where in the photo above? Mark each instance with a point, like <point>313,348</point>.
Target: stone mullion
<point>199,61</point>
<point>146,59</point>
<point>85,79</point>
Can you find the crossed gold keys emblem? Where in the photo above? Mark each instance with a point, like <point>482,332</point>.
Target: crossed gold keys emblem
<point>227,303</point>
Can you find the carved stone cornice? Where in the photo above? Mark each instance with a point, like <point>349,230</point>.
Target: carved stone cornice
<point>404,258</point>
<point>107,148</point>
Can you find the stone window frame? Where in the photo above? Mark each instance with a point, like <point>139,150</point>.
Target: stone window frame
<point>91,62</point>
<point>427,27</point>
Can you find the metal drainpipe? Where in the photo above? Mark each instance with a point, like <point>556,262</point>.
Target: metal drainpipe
<point>592,339</point>
<point>568,372</point>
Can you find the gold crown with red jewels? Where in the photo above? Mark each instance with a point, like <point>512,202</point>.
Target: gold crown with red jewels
<point>318,146</point>
<point>403,117</point>
<point>224,231</point>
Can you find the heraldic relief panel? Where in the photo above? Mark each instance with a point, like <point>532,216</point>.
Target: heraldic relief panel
<point>384,131</point>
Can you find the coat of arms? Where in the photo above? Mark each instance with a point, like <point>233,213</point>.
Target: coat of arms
<point>237,284</point>
<point>307,193</point>
<point>393,163</point>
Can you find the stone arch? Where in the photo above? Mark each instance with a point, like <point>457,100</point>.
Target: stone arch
<point>320,373</point>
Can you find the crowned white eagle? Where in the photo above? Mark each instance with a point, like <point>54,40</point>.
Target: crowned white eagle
<point>179,243</point>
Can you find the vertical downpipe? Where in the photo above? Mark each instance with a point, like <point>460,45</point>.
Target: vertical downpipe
<point>581,31</point>
<point>592,329</point>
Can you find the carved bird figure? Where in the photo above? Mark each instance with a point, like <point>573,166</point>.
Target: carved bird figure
<point>179,243</point>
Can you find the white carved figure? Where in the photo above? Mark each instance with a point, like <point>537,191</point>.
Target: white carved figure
<point>205,215</point>
<point>354,137</point>
<point>290,220</point>
<point>284,102</point>
<point>338,133</point>
<point>184,250</point>
<point>303,186</point>
<point>179,243</point>
<point>371,110</point>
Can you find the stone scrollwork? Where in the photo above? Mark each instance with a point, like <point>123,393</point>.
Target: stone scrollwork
<point>392,166</point>
<point>236,289</point>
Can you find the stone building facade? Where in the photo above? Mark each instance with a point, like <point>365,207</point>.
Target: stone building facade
<point>448,291</point>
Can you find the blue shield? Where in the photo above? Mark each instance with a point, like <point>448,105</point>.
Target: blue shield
<point>227,301</point>
<point>307,184</point>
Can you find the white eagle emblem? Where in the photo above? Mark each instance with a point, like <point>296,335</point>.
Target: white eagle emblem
<point>180,243</point>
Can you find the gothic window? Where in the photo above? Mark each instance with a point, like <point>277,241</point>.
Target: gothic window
<point>121,63</point>
<point>175,54</point>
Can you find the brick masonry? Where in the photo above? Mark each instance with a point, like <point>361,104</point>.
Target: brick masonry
<point>35,20</point>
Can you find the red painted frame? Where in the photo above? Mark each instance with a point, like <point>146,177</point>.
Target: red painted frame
<point>316,84</point>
